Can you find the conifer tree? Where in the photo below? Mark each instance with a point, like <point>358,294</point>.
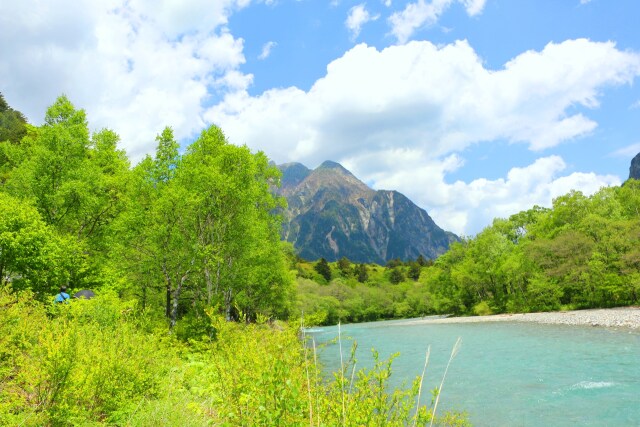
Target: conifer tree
<point>323,269</point>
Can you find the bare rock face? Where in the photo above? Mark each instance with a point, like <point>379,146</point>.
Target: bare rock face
<point>634,169</point>
<point>332,214</point>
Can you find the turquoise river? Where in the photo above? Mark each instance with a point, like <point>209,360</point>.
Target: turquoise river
<point>509,373</point>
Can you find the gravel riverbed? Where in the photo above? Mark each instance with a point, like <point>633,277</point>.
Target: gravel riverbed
<point>626,317</point>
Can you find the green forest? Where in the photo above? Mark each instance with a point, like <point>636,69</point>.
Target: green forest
<point>583,252</point>
<point>178,231</point>
<point>193,291</point>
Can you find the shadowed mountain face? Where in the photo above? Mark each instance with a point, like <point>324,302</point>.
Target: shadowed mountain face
<point>634,169</point>
<point>332,214</point>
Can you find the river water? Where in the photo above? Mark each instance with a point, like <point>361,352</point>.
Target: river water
<point>509,373</point>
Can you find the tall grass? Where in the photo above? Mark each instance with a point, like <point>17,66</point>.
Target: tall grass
<point>424,370</point>
<point>105,362</point>
<point>454,352</point>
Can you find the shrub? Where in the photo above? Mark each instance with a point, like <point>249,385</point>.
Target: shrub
<point>87,360</point>
<point>482,309</point>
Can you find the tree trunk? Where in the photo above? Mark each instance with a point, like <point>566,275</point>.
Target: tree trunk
<point>176,298</point>
<point>167,311</point>
<point>144,294</point>
<point>207,277</point>
<point>227,305</point>
<point>167,279</point>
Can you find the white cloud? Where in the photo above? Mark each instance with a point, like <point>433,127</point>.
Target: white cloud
<point>266,50</point>
<point>473,7</point>
<point>386,3</point>
<point>438,99</point>
<point>629,151</point>
<point>635,105</point>
<point>423,13</point>
<point>358,16</point>
<point>134,65</point>
<point>412,107</point>
<point>466,208</point>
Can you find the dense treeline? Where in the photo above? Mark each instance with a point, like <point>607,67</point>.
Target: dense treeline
<point>346,292</point>
<point>583,252</point>
<point>179,231</point>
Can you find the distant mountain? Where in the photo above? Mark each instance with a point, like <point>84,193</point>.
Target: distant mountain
<point>634,169</point>
<point>332,214</point>
<point>13,125</point>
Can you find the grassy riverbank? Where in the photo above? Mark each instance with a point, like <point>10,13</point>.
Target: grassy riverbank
<point>106,362</point>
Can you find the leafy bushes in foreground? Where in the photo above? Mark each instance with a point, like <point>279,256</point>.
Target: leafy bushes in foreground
<point>103,362</point>
<point>71,363</point>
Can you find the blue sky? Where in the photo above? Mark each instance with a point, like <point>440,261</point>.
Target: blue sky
<point>474,109</point>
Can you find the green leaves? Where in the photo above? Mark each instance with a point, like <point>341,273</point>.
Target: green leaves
<point>75,182</point>
<point>32,254</point>
<point>13,125</point>
<point>323,269</point>
<point>578,254</point>
<point>201,226</point>
<point>83,363</point>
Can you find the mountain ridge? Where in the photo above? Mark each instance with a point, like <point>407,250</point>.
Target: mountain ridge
<point>331,214</point>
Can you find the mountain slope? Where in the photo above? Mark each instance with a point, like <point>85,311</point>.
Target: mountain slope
<point>332,214</point>
<point>634,169</point>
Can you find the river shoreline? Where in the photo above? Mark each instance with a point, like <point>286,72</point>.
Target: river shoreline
<point>622,317</point>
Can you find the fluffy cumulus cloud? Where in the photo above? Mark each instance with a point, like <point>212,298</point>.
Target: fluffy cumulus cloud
<point>134,65</point>
<point>358,16</point>
<point>402,117</point>
<point>424,13</point>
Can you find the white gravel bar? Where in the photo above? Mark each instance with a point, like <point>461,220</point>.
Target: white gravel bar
<point>625,317</point>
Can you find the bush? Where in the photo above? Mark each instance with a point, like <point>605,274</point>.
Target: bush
<point>260,375</point>
<point>86,360</point>
<point>482,309</point>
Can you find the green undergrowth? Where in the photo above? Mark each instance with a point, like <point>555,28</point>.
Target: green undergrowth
<point>106,362</point>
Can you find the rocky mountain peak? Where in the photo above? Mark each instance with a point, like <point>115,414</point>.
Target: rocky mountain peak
<point>328,164</point>
<point>330,177</point>
<point>634,169</point>
<point>293,174</point>
<point>332,214</point>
